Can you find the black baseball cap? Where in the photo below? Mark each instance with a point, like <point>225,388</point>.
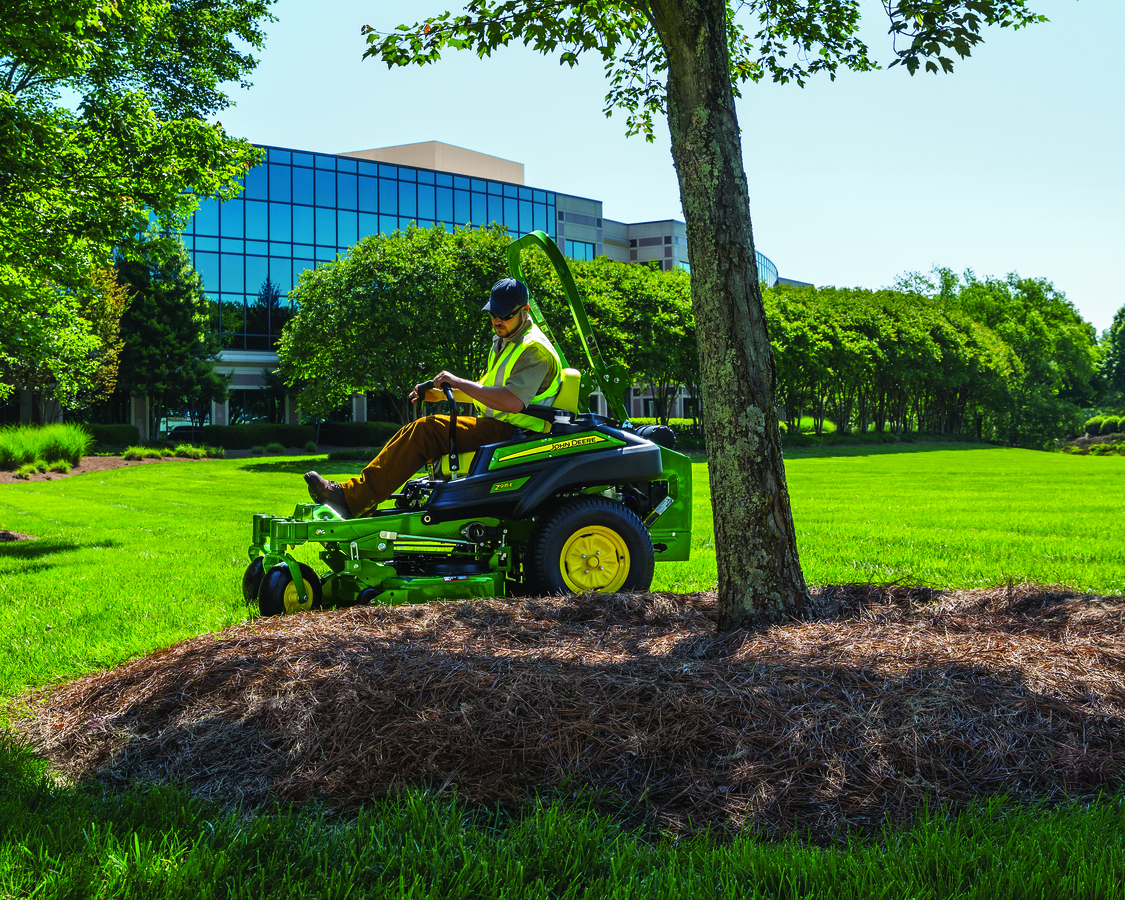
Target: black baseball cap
<point>507,295</point>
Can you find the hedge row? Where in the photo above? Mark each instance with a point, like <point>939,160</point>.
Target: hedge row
<point>258,434</point>
<point>357,434</point>
<point>115,435</point>
<point>1100,425</point>
<point>689,435</point>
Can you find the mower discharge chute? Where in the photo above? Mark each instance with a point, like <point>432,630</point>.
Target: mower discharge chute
<point>589,506</point>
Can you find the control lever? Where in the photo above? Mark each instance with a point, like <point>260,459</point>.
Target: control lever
<point>448,391</point>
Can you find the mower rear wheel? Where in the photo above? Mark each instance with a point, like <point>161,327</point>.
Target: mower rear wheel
<point>278,594</point>
<point>252,580</point>
<point>591,544</point>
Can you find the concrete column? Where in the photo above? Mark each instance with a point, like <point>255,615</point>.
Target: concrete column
<point>292,414</point>
<point>359,407</point>
<point>220,413</point>
<point>139,416</point>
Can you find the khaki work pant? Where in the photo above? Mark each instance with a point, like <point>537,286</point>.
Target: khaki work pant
<point>414,445</point>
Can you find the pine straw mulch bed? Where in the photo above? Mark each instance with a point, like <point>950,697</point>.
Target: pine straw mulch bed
<point>891,698</point>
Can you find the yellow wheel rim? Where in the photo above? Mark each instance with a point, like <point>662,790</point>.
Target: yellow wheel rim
<point>293,602</point>
<point>594,559</point>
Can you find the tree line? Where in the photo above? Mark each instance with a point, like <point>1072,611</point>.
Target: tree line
<point>1007,360</point>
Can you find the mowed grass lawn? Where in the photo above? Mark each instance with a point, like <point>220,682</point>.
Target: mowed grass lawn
<point>134,559</point>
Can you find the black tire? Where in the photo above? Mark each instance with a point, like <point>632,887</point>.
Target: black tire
<point>604,530</point>
<point>277,593</point>
<point>252,580</point>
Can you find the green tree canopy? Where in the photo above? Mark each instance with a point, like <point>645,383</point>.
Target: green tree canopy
<point>79,178</point>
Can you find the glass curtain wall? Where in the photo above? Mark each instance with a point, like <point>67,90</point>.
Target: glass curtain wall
<point>300,209</point>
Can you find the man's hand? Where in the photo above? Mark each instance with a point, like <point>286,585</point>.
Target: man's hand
<point>499,398</point>
<point>435,393</point>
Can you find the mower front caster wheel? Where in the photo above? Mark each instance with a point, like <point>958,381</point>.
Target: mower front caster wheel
<point>592,544</point>
<point>252,580</point>
<point>278,594</point>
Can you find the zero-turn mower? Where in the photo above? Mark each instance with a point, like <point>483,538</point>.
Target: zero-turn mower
<point>591,505</point>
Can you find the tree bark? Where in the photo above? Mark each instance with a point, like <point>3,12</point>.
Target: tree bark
<point>759,573</point>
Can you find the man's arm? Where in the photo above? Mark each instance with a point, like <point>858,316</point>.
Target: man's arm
<point>498,398</point>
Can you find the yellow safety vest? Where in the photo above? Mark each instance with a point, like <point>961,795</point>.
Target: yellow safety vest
<point>500,366</point>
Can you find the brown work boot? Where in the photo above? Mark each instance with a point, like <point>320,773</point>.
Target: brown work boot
<point>328,493</point>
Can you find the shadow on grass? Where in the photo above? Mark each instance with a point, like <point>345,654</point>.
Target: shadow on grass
<point>47,547</point>
<point>301,466</point>
<point>881,449</point>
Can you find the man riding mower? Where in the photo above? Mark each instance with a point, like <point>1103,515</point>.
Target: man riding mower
<point>530,496</point>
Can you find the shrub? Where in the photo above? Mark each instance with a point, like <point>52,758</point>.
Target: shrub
<point>689,436</point>
<point>1094,426</point>
<point>1110,425</point>
<point>215,452</point>
<point>62,467</point>
<point>357,434</point>
<point>27,470</point>
<point>275,448</point>
<point>21,444</point>
<point>311,447</point>
<point>114,435</point>
<point>257,435</point>
<point>258,450</point>
<point>187,451</point>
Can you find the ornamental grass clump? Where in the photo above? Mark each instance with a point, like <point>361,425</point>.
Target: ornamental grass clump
<point>22,444</point>
<point>188,451</point>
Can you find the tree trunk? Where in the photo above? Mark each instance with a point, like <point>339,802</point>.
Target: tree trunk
<point>760,577</point>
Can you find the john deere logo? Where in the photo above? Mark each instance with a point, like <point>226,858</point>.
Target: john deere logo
<point>557,447</point>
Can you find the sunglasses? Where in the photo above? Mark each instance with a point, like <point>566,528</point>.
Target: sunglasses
<point>507,318</point>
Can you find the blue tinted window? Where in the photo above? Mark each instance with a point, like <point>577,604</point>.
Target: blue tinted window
<point>326,162</point>
<point>408,174</point>
<point>444,211</point>
<point>257,271</point>
<point>347,229</point>
<point>256,183</point>
<point>461,182</point>
<point>230,219</point>
<point>303,186</point>
<point>325,254</point>
<point>443,180</point>
<point>279,183</point>
<point>326,226</point>
<point>256,220</point>
<point>461,211</point>
<point>325,188</point>
<point>550,198</point>
<point>187,241</point>
<point>303,159</point>
<point>525,193</point>
<point>345,165</point>
<point>510,191</point>
<point>479,185</point>
<point>404,223</point>
<point>368,194</point>
<point>368,225</point>
<point>425,177</point>
<point>480,209</point>
<point>206,243</point>
<point>231,276</point>
<point>388,224</point>
<point>301,251</point>
<point>388,196</point>
<point>279,249</point>
<point>425,223</point>
<point>298,268</point>
<point>207,265</point>
<point>495,209</point>
<point>540,197</point>
<point>525,216</point>
<point>260,247</point>
<point>388,171</point>
<point>207,217</point>
<point>368,168</point>
<point>407,199</point>
<point>232,245</point>
<point>551,221</point>
<point>281,274</point>
<point>495,188</point>
<point>302,224</point>
<point>540,217</point>
<point>346,191</point>
<point>281,222</point>
<point>512,213</point>
<point>278,156</point>
<point>426,201</point>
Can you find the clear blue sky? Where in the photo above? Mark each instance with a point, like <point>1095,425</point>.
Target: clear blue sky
<point>1015,162</point>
